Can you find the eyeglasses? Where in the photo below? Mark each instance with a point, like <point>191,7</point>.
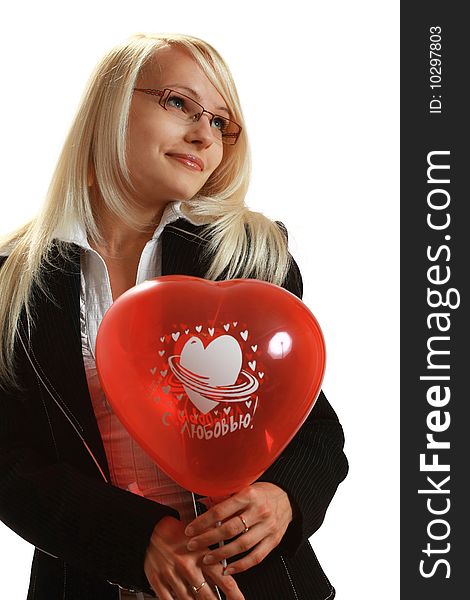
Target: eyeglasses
<point>185,108</point>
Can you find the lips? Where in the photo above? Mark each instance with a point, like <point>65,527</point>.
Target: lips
<point>189,160</point>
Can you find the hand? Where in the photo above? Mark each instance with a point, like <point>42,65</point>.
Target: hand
<point>171,569</point>
<point>267,511</point>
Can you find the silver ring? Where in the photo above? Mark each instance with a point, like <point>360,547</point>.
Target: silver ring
<point>247,529</point>
<point>195,589</point>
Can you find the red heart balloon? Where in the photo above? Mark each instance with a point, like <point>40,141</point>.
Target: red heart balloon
<point>212,379</point>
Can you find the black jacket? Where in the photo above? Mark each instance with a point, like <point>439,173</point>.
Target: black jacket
<point>89,533</point>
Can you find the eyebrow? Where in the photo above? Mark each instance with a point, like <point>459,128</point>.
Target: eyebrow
<point>195,94</point>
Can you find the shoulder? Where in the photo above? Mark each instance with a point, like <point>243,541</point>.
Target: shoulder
<point>185,239</point>
<point>283,228</point>
<point>183,234</point>
<point>55,251</point>
<point>59,267</point>
<point>293,281</point>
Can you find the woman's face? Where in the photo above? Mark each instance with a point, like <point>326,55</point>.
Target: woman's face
<point>162,151</point>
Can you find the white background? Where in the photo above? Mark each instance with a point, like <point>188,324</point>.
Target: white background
<point>319,85</point>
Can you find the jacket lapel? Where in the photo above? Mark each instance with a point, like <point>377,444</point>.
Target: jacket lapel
<point>57,350</point>
<point>56,339</point>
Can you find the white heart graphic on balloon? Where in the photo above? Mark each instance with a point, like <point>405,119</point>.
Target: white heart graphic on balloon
<point>219,364</point>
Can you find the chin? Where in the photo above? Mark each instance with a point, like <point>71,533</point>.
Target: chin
<point>185,195</point>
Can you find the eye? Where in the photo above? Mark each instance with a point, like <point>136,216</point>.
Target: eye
<point>220,123</point>
<point>176,102</point>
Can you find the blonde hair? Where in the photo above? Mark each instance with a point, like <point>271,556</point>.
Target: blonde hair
<point>240,242</point>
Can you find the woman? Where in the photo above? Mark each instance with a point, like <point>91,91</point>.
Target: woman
<point>151,181</point>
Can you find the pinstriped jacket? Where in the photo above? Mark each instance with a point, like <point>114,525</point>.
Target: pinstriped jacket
<point>88,533</point>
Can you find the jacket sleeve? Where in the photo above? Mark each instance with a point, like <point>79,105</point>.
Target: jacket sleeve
<point>61,509</point>
<point>313,464</point>
<point>85,522</point>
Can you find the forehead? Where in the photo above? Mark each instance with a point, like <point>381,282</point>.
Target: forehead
<point>175,68</point>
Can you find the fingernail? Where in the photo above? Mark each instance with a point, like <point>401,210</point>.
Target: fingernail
<point>229,571</point>
<point>191,546</point>
<point>189,531</point>
<point>208,559</point>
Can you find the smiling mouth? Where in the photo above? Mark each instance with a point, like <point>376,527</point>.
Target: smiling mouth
<point>191,162</point>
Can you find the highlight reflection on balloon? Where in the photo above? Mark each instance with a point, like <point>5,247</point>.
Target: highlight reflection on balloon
<point>280,345</point>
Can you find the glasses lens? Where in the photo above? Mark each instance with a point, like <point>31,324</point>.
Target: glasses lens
<point>189,110</point>
<point>182,106</point>
<point>229,130</point>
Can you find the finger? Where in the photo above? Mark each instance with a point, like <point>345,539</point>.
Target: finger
<point>230,528</point>
<point>219,512</point>
<point>162,592</point>
<point>180,589</point>
<point>195,577</point>
<point>254,558</point>
<point>243,543</point>
<point>225,582</point>
<point>205,592</point>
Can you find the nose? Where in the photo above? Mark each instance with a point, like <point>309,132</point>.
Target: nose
<point>201,132</point>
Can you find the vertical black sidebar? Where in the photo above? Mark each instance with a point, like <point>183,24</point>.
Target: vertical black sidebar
<point>435,332</point>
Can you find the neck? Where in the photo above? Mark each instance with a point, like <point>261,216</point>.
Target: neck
<point>121,239</point>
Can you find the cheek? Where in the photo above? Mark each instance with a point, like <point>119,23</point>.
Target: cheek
<point>217,157</point>
<point>217,160</point>
<point>144,133</point>
<point>142,146</point>
<point>136,141</point>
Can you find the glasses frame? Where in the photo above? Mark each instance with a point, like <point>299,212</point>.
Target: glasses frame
<point>227,138</point>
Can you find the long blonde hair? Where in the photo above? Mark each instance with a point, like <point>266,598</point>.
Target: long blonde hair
<point>240,242</point>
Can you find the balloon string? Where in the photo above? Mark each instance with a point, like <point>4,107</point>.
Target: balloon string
<point>221,543</point>
<point>210,502</point>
